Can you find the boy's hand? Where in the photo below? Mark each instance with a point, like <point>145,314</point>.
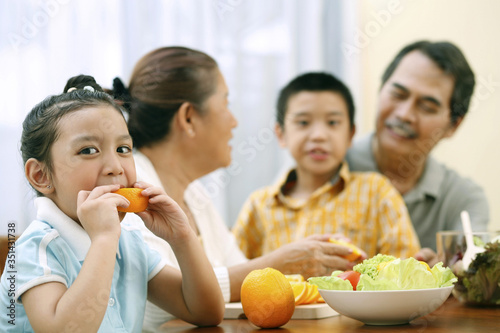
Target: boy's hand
<point>97,211</point>
<point>164,217</point>
<point>341,240</point>
<point>311,257</point>
<point>327,237</point>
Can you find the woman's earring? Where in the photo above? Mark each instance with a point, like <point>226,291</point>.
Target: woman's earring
<point>190,132</point>
<point>49,186</point>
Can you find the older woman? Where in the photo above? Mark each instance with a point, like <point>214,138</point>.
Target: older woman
<point>181,126</point>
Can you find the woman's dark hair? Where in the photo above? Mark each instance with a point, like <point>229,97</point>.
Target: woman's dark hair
<point>40,127</point>
<point>316,82</point>
<point>161,81</point>
<point>451,60</point>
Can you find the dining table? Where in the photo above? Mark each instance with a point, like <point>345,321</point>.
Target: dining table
<point>452,316</point>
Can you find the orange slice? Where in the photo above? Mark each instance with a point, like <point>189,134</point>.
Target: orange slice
<point>312,294</point>
<point>300,291</point>
<point>138,202</point>
<point>382,265</point>
<point>356,252</point>
<point>305,293</point>
<point>426,265</point>
<point>295,278</point>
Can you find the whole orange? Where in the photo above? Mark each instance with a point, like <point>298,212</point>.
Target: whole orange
<point>267,298</point>
<point>138,202</point>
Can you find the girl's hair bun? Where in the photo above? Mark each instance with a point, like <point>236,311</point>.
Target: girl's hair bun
<point>81,82</point>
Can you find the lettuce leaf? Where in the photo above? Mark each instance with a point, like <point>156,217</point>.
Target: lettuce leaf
<point>481,281</point>
<point>407,274</point>
<point>369,266</point>
<point>394,274</point>
<point>331,282</point>
<point>443,275</point>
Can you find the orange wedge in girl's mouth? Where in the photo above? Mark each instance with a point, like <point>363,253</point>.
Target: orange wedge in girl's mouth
<point>138,202</point>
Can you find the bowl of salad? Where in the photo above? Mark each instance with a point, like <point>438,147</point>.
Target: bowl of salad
<point>384,290</point>
<point>478,284</point>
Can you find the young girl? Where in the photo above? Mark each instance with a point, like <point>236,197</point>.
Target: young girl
<point>78,269</point>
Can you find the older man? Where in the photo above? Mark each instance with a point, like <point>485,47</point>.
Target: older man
<point>425,94</point>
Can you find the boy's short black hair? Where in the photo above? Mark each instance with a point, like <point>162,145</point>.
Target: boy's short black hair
<point>316,82</point>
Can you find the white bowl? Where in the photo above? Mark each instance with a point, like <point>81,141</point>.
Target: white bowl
<point>387,307</point>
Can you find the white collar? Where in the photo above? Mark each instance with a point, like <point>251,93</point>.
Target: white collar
<point>70,231</point>
<point>145,169</point>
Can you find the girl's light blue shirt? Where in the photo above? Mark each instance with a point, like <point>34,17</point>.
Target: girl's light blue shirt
<point>53,248</point>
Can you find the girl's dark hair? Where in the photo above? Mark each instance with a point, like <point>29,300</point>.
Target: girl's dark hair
<point>314,81</point>
<point>161,81</point>
<point>451,60</point>
<point>40,127</point>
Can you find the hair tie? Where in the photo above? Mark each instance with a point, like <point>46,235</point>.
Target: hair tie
<point>88,88</point>
<point>121,94</point>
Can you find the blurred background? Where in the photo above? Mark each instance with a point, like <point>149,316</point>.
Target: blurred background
<point>260,45</point>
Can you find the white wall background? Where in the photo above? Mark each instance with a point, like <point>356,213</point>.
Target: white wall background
<point>259,45</point>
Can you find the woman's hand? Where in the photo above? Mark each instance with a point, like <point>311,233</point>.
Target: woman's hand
<point>163,217</point>
<point>97,210</point>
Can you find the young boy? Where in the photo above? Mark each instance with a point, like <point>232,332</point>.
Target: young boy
<point>315,122</point>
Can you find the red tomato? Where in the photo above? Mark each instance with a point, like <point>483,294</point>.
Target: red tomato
<point>352,276</point>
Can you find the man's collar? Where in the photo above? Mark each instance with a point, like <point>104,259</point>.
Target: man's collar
<point>70,231</point>
<point>366,149</point>
<point>429,183</point>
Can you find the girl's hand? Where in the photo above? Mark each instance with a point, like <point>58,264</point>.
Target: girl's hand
<point>163,217</point>
<point>97,210</point>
